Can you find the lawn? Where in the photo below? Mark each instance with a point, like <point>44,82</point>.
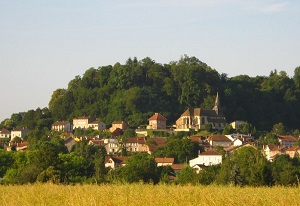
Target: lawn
<point>140,194</point>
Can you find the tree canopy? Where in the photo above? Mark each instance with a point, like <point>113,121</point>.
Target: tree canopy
<point>133,91</point>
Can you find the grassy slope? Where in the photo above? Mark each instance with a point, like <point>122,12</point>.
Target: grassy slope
<point>139,194</point>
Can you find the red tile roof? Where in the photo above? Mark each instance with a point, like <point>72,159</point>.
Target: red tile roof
<point>287,138</point>
<point>4,131</point>
<point>177,166</point>
<point>219,137</point>
<point>157,142</point>
<point>19,129</point>
<point>164,160</point>
<point>209,152</point>
<point>82,117</point>
<point>294,148</point>
<point>196,139</point>
<point>58,123</point>
<point>158,116</point>
<point>98,142</point>
<point>274,147</point>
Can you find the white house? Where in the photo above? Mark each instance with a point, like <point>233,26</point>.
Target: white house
<point>164,161</point>
<point>19,132</point>
<point>207,158</point>
<point>237,142</point>
<point>61,126</point>
<point>114,162</point>
<point>82,122</point>
<point>4,133</point>
<point>97,125</point>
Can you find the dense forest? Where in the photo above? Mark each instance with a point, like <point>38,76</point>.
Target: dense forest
<point>135,90</point>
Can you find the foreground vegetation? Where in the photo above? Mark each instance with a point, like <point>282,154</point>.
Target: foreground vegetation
<point>139,194</point>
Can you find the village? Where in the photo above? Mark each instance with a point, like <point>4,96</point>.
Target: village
<point>145,140</point>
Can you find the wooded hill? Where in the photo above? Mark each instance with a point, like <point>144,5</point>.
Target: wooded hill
<point>135,90</point>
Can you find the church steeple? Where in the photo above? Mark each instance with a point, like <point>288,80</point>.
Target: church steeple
<point>217,104</point>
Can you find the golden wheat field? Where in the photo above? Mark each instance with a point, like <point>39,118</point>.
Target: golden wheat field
<point>141,194</point>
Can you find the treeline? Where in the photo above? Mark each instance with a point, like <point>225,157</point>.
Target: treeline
<point>49,161</point>
<point>135,90</point>
<point>246,167</point>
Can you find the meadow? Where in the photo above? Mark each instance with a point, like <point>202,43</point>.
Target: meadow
<point>143,194</point>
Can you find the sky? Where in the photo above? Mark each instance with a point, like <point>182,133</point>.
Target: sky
<point>45,44</point>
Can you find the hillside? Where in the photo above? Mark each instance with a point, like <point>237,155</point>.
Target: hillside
<point>135,90</point>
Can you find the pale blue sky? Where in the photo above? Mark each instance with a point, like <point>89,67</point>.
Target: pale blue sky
<point>45,44</point>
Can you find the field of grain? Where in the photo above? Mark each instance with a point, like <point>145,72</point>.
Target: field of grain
<point>140,194</point>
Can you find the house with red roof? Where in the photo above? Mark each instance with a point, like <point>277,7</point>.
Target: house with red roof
<point>271,151</point>
<point>287,141</point>
<point>118,125</point>
<point>4,133</point>
<point>293,151</point>
<point>164,161</point>
<point>135,144</point>
<point>219,140</point>
<point>153,143</point>
<point>61,126</point>
<point>114,161</point>
<point>97,125</point>
<point>157,121</point>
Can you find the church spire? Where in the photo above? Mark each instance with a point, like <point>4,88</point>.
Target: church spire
<point>217,104</point>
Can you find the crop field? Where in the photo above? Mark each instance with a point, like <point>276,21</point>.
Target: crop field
<point>141,194</point>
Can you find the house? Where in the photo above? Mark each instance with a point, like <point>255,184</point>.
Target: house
<point>19,132</point>
<point>157,121</point>
<point>245,138</point>
<point>136,144</point>
<point>237,142</point>
<point>111,145</point>
<point>219,140</point>
<point>82,122</point>
<point>5,133</point>
<point>271,151</point>
<point>69,143</point>
<point>114,162</point>
<point>198,167</point>
<point>118,125</point>
<point>19,146</point>
<point>154,143</point>
<point>177,167</point>
<point>207,158</point>
<point>164,161</point>
<point>61,126</point>
<point>196,139</point>
<point>96,142</point>
<point>197,118</point>
<point>287,141</point>
<point>293,151</point>
<point>97,125</point>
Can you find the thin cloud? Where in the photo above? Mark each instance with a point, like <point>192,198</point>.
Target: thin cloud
<point>272,8</point>
<point>175,3</point>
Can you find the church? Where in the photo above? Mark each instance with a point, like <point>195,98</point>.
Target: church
<point>197,118</point>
